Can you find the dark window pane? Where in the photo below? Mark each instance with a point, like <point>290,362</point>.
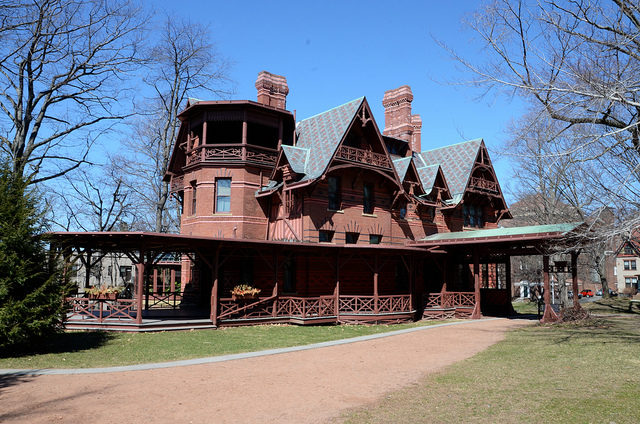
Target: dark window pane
<point>368,199</point>
<point>334,193</point>
<point>375,238</point>
<point>325,236</point>
<point>351,238</point>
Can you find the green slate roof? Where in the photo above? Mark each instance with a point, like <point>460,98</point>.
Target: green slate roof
<point>321,134</point>
<point>505,232</point>
<point>456,162</point>
<point>401,165</point>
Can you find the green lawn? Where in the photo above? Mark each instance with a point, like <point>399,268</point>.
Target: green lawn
<point>559,373</point>
<point>98,349</point>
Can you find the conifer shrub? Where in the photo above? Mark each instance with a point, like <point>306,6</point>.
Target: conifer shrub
<point>31,292</point>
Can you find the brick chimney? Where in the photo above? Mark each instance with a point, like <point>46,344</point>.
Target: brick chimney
<point>398,120</point>
<point>272,89</point>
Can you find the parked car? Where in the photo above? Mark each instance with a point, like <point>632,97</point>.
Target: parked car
<point>586,293</point>
<point>599,293</point>
<point>613,293</point>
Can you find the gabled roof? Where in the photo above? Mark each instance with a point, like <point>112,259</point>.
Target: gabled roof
<point>402,165</point>
<point>321,134</point>
<point>297,157</point>
<point>457,162</point>
<point>427,176</point>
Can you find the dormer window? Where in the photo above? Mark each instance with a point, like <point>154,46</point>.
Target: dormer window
<point>473,216</point>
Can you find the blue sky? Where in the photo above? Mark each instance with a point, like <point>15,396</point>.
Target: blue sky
<point>334,51</point>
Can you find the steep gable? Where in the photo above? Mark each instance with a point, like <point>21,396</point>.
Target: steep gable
<point>457,163</point>
<point>321,134</point>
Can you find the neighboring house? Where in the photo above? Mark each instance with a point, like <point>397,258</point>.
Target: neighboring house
<point>330,218</point>
<point>628,265</point>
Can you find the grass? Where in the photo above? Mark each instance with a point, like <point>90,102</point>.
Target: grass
<point>100,349</point>
<point>613,305</point>
<point>525,307</point>
<point>559,373</point>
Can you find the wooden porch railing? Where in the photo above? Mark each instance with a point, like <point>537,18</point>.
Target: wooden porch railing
<point>164,300</point>
<point>482,184</point>
<point>84,308</point>
<point>232,152</point>
<point>313,307</point>
<point>450,300</point>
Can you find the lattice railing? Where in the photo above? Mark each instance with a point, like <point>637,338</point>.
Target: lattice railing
<point>232,153</point>
<point>450,300</point>
<point>87,309</point>
<point>306,307</point>
<point>394,303</point>
<point>177,183</point>
<point>357,304</point>
<point>165,300</point>
<point>260,308</point>
<point>482,184</point>
<point>353,154</point>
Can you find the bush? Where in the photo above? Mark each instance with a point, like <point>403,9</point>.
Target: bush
<point>31,295</point>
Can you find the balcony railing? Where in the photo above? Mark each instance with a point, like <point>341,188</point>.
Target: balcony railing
<point>482,184</point>
<point>232,153</point>
<point>353,154</point>
<point>177,183</point>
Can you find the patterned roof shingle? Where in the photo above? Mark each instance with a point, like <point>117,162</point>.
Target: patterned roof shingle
<point>427,176</point>
<point>297,157</point>
<point>321,134</point>
<point>402,165</point>
<point>457,163</point>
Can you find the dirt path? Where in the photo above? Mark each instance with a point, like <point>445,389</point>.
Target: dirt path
<point>300,387</point>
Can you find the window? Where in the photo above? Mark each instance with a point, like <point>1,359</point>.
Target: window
<point>473,216</point>
<point>125,273</point>
<point>194,201</point>
<point>628,250</point>
<point>351,238</point>
<point>375,238</point>
<point>403,210</point>
<point>325,236</point>
<point>631,282</point>
<point>630,265</point>
<point>289,285</point>
<point>633,265</point>
<point>367,199</point>
<point>223,195</point>
<point>334,193</point>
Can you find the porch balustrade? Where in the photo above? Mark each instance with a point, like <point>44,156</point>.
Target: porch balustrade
<point>232,153</point>
<point>177,183</point>
<point>482,184</point>
<point>450,300</point>
<point>312,307</point>
<point>353,154</point>
<point>83,308</point>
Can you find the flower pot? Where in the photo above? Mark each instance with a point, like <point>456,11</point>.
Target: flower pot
<point>243,297</point>
<point>104,296</point>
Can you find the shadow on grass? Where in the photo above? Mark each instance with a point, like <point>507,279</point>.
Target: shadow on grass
<point>601,331</point>
<point>65,342</point>
<point>613,306</point>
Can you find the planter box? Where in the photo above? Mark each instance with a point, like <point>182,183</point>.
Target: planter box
<point>244,297</point>
<point>105,296</point>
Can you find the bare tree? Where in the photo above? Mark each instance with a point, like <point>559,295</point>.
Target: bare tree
<point>578,64</point>
<point>93,201</point>
<point>184,61</point>
<point>63,64</point>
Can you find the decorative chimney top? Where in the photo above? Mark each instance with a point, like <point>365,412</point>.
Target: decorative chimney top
<point>398,120</point>
<point>272,89</point>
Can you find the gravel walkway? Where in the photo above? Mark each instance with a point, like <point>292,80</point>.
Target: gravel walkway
<point>302,386</point>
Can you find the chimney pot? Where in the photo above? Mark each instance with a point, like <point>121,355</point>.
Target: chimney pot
<point>272,89</point>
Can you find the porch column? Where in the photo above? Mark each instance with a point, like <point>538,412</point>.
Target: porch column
<point>204,132</point>
<point>574,280</point>
<point>375,286</point>
<point>549,313</point>
<point>139,284</point>
<point>477,312</point>
<point>155,280</point>
<point>337,289</point>
<point>274,312</point>
<point>87,269</point>
<point>244,140</point>
<point>214,289</point>
<point>507,271</point>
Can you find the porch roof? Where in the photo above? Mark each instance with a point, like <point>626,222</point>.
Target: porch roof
<point>531,233</point>
<point>134,240</point>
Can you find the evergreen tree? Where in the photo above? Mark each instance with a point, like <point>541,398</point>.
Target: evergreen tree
<point>31,296</point>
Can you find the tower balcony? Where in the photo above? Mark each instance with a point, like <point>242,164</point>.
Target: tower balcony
<point>232,153</point>
<point>483,185</point>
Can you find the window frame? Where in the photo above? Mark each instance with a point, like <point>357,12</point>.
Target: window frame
<point>217,196</point>
<point>368,199</point>
<point>334,198</point>
<point>194,198</point>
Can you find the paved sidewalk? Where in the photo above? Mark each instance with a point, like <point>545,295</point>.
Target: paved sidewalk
<point>308,384</point>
